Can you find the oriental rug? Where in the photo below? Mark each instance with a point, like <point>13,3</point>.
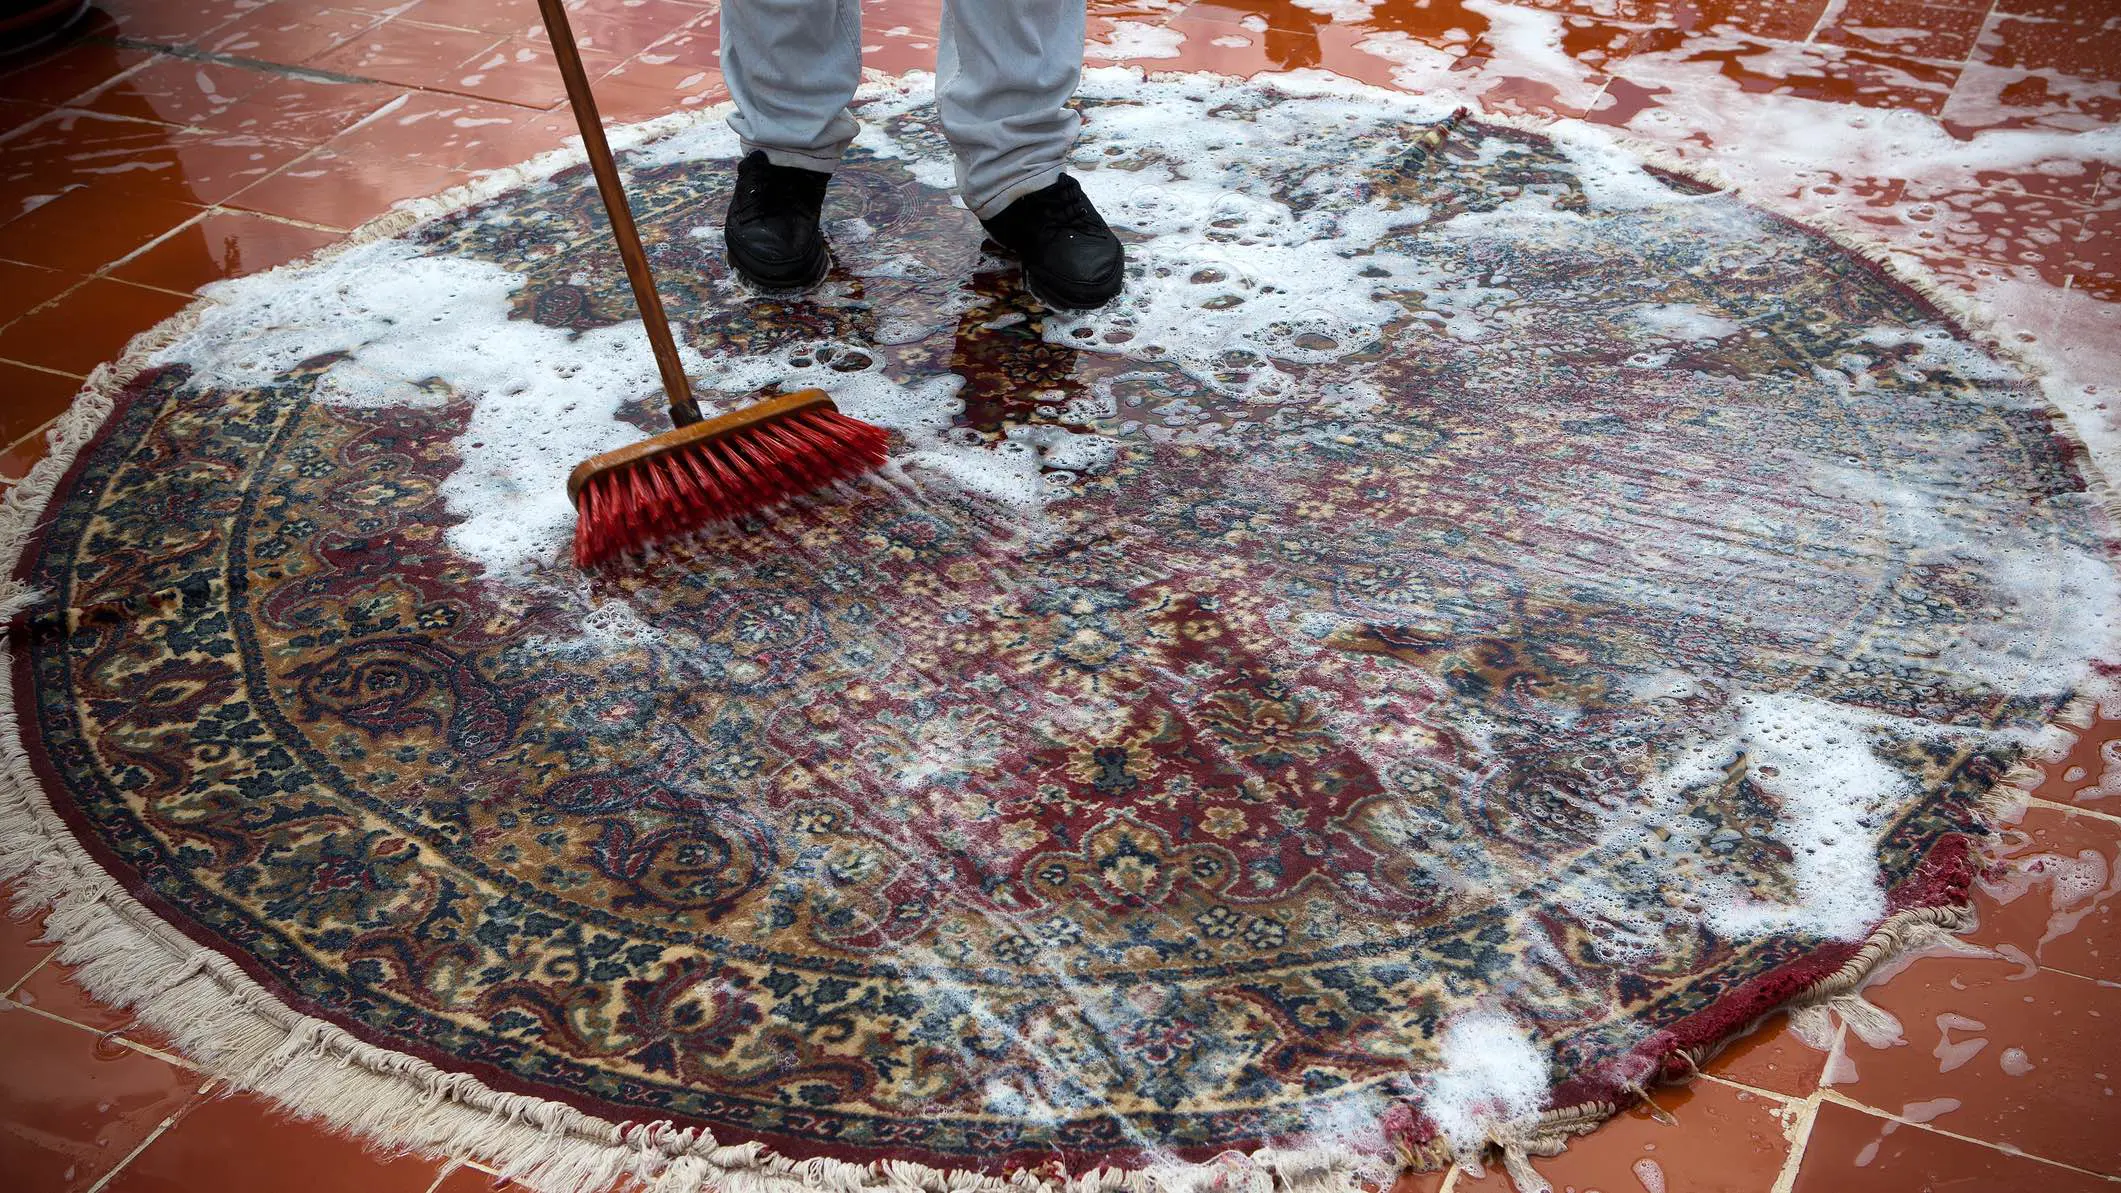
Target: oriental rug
<point>1480,622</point>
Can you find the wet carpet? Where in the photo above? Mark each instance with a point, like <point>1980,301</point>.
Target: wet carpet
<point>1476,625</point>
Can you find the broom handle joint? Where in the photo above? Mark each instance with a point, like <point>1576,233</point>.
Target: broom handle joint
<point>684,411</point>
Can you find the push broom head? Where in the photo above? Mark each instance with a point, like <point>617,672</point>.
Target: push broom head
<point>742,462</point>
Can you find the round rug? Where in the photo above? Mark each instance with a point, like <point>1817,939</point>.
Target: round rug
<point>1477,624</point>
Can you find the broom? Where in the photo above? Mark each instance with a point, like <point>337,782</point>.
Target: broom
<point>703,470</point>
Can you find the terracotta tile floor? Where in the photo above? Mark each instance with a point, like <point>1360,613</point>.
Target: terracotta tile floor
<point>174,142</point>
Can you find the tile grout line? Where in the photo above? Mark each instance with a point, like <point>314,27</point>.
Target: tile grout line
<point>2034,801</point>
<point>9,360</point>
<point>114,1034</point>
<point>103,1182</point>
<point>1800,1139</point>
<point>9,993</point>
<point>2008,1149</point>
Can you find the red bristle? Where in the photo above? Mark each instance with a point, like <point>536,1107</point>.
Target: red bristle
<point>796,457</point>
<point>745,471</point>
<point>733,474</point>
<point>714,504</point>
<point>584,532</point>
<point>771,481</point>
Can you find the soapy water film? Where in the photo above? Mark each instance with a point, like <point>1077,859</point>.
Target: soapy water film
<point>1617,447</point>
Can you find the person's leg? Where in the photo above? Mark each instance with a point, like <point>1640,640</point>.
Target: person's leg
<point>792,66</point>
<point>1005,70</point>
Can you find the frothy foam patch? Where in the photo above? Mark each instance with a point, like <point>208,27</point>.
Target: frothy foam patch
<point>1136,39</point>
<point>416,330</point>
<point>1490,1073</point>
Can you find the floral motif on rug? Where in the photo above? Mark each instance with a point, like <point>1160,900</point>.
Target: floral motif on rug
<point>1480,586</point>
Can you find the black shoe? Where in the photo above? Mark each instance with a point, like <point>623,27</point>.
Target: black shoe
<point>1071,259</point>
<point>772,228</point>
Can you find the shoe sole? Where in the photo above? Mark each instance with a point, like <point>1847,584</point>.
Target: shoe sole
<point>778,287</point>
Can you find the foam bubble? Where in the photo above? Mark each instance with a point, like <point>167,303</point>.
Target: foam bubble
<point>412,330</point>
<point>1490,1072</point>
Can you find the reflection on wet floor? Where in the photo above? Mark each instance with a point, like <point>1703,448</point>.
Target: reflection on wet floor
<point>171,144</point>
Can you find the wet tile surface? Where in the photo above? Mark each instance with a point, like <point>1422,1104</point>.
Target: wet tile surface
<point>193,156</point>
<point>35,397</point>
<point>239,1145</point>
<point>220,244</point>
<point>2023,1059</point>
<point>2048,899</point>
<point>73,1108</point>
<point>1853,1152</point>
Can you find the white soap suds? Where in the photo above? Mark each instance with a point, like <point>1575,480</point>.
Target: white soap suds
<point>415,330</point>
<point>1490,1072</point>
<point>1681,321</point>
<point>1136,39</point>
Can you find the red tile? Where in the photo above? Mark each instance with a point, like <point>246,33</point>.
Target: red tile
<point>345,191</point>
<point>623,28</point>
<point>304,111</point>
<point>2094,257</point>
<point>1906,28</point>
<point>174,22</point>
<point>19,457</point>
<point>1997,1054</point>
<point>289,32</point>
<point>240,1145</point>
<point>83,230</point>
<point>519,70</point>
<point>1228,49</point>
<point>640,90</point>
<point>407,53</point>
<point>2087,14</point>
<point>25,286</point>
<point>53,990</point>
<point>1827,73</point>
<point>1787,20</point>
<point>34,398</point>
<point>696,45</point>
<point>174,91</point>
<point>20,950</point>
<point>455,132</point>
<point>2050,895</point>
<point>2091,774</point>
<point>66,70</point>
<point>88,326</point>
<point>72,1106</point>
<point>2067,48</point>
<point>1849,1151</point>
<point>1713,1139</point>
<point>132,157</point>
<point>1771,1058</point>
<point>221,245</point>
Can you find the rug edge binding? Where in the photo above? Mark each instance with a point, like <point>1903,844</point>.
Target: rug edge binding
<point>233,1031</point>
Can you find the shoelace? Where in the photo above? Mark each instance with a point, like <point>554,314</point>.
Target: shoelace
<point>1064,208</point>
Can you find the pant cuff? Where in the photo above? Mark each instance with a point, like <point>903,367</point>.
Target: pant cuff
<point>799,159</point>
<point>989,208</point>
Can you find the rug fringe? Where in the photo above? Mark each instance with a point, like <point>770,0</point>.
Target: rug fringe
<point>221,1020</point>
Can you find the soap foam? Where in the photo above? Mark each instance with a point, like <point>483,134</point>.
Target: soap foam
<point>1490,1073</point>
<point>542,399</point>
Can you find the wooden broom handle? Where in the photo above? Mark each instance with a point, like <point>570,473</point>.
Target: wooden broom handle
<point>683,410</point>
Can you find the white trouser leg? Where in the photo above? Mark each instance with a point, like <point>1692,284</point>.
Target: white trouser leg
<point>1004,71</point>
<point>791,66</point>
